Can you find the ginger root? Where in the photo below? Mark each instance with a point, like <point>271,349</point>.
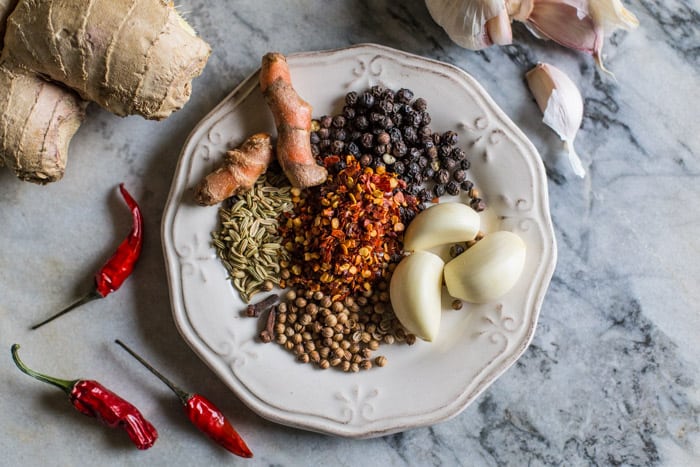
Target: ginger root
<point>240,169</point>
<point>39,120</point>
<point>292,116</point>
<point>128,56</point>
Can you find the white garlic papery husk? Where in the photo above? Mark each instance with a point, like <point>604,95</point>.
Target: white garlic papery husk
<point>561,104</point>
<point>579,24</point>
<point>465,21</point>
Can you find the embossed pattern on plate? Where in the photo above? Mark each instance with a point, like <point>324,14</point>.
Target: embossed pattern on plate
<point>423,384</point>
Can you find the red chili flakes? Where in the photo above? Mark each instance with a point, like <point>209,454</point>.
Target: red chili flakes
<point>343,235</point>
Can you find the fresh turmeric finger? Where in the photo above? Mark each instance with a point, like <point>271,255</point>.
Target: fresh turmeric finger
<point>240,169</point>
<point>292,116</point>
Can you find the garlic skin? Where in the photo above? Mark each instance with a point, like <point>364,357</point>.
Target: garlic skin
<point>415,291</point>
<point>578,24</point>
<point>487,270</point>
<point>561,104</point>
<point>465,21</point>
<point>441,224</point>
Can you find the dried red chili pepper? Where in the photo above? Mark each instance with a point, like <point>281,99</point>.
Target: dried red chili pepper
<point>202,413</point>
<point>117,268</point>
<point>92,399</point>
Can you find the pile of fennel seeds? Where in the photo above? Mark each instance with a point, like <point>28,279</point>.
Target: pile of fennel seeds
<point>247,240</point>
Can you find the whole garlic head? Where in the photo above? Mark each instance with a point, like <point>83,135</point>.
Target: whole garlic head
<point>474,24</point>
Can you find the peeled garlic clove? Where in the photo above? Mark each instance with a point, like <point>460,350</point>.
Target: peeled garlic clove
<point>415,292</point>
<point>487,270</point>
<point>562,105</point>
<point>441,224</point>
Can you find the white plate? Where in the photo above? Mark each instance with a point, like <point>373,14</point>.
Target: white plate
<point>422,384</point>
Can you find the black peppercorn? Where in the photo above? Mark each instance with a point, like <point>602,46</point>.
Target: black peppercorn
<point>467,185</point>
<point>439,190</point>
<point>315,150</point>
<point>412,169</point>
<point>458,154</point>
<point>365,160</point>
<point>442,176</point>
<point>448,163</point>
<point>324,133</point>
<point>395,134</point>
<point>423,162</point>
<point>380,149</point>
<point>353,149</point>
<point>444,151</point>
<point>414,153</point>
<point>399,149</point>
<point>425,131</point>
<point>314,138</point>
<point>397,118</point>
<point>431,152</point>
<point>399,167</point>
<point>420,104</point>
<point>450,137</point>
<point>367,140</point>
<point>404,95</point>
<point>355,136</point>
<point>338,121</point>
<point>325,121</point>
<point>383,138</point>
<point>324,144</point>
<point>351,98</point>
<point>349,112</point>
<point>452,188</point>
<point>366,100</point>
<point>427,119</point>
<point>386,106</point>
<point>464,164</point>
<point>409,134</point>
<point>337,147</point>
<point>339,134</point>
<point>423,195</point>
<point>436,138</point>
<point>387,94</point>
<point>387,123</point>
<point>361,122</point>
<point>428,172</point>
<point>377,90</point>
<point>459,175</point>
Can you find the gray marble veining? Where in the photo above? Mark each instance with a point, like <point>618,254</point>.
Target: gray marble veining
<point>612,375</point>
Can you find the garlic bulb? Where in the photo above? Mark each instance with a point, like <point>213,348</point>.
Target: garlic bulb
<point>487,270</point>
<point>561,104</point>
<point>441,224</point>
<point>415,292</point>
<point>577,24</point>
<point>474,24</point>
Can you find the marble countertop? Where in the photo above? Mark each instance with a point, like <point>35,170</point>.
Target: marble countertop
<point>612,374</point>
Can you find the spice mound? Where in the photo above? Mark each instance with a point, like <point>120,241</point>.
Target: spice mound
<point>342,236</point>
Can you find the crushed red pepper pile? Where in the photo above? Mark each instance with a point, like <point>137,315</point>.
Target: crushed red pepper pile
<point>342,235</point>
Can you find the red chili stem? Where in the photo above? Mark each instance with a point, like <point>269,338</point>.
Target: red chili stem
<point>117,268</point>
<point>64,384</point>
<point>182,395</point>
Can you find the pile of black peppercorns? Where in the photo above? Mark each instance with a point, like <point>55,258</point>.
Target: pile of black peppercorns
<point>382,127</point>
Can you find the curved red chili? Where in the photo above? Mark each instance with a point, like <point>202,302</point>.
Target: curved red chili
<point>202,413</point>
<point>93,399</point>
<point>117,268</point>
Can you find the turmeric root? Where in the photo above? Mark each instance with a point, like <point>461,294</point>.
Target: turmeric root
<point>241,168</point>
<point>292,116</point>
